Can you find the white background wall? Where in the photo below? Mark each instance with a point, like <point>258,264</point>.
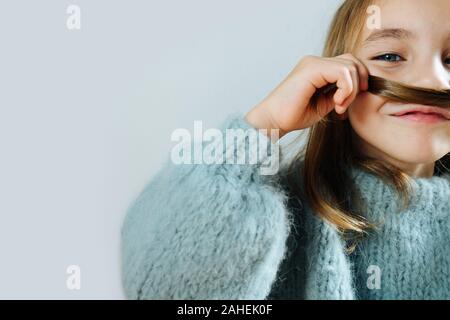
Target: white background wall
<point>86,116</point>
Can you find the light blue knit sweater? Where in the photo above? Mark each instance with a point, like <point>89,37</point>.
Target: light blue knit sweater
<point>225,231</point>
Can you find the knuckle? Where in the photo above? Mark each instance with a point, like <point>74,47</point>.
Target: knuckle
<point>345,71</point>
<point>308,58</point>
<point>353,67</point>
<point>347,55</point>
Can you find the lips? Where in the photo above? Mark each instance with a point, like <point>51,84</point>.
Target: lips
<point>423,110</point>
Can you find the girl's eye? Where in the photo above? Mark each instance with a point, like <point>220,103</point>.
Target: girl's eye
<point>447,60</point>
<point>389,57</point>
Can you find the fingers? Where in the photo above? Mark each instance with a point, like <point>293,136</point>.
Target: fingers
<point>353,92</point>
<point>354,79</point>
<point>350,75</point>
<point>346,83</point>
<point>363,72</point>
<point>345,75</point>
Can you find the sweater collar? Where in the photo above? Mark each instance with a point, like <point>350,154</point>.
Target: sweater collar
<point>329,269</point>
<point>429,194</point>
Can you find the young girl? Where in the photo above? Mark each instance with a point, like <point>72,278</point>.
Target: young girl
<point>363,211</point>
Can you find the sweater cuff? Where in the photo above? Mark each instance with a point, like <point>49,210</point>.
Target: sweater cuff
<point>243,144</point>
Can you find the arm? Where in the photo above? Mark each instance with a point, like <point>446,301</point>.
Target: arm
<point>206,231</point>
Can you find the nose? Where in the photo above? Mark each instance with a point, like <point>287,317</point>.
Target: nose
<point>434,76</point>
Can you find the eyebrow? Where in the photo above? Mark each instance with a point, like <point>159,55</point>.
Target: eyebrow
<point>396,33</point>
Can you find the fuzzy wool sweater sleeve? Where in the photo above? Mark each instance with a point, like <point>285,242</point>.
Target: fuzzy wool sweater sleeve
<point>206,231</point>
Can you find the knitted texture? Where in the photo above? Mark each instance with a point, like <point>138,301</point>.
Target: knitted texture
<point>205,231</point>
<point>410,249</point>
<point>224,231</point>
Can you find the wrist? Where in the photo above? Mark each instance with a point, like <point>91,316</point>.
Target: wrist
<point>260,119</point>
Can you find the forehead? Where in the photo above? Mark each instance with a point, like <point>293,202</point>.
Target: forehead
<point>408,20</point>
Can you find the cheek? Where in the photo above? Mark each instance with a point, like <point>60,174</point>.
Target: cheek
<point>365,109</point>
<point>376,129</point>
<point>368,122</point>
<point>366,119</point>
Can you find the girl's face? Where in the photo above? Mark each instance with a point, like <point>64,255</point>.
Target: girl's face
<point>412,46</point>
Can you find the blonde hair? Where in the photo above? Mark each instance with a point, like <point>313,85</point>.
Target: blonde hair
<point>396,91</point>
<point>329,153</point>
